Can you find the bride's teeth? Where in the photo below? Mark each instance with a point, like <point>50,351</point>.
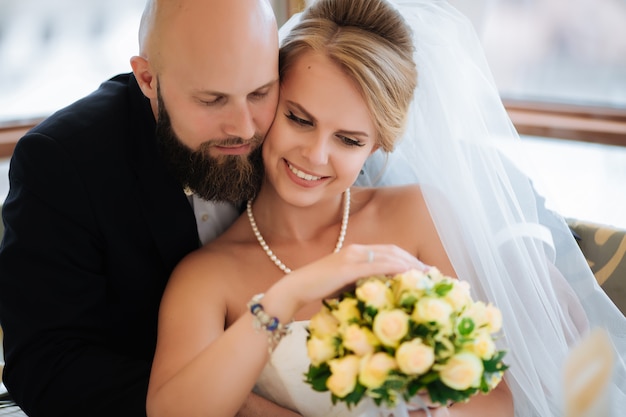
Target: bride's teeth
<point>303,175</point>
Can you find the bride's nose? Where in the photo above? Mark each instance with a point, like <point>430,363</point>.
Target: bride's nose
<point>317,150</point>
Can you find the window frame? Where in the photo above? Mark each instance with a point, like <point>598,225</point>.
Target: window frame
<point>593,124</point>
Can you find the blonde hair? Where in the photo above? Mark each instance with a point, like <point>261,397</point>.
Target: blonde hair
<point>372,43</point>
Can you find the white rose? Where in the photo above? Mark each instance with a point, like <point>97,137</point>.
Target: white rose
<point>462,371</point>
<point>414,357</point>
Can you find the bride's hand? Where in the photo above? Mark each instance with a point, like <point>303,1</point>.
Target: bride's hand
<point>333,273</point>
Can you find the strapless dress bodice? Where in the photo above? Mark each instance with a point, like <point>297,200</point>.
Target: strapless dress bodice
<point>283,382</point>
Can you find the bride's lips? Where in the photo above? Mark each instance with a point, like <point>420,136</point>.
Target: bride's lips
<point>303,178</point>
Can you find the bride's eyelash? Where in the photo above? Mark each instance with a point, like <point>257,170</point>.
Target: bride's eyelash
<point>291,116</point>
<point>303,122</point>
<point>350,142</point>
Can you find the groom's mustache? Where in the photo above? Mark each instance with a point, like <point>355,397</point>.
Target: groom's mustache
<point>256,140</point>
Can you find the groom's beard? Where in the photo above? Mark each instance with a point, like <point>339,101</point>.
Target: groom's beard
<point>231,178</point>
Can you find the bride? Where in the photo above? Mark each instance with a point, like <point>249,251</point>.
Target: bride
<point>349,72</point>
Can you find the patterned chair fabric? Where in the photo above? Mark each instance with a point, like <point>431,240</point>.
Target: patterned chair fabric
<point>604,248</point>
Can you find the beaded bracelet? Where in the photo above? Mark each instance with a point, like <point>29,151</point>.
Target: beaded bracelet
<point>274,328</point>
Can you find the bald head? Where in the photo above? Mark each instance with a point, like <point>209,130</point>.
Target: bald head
<point>210,70</point>
<point>201,50</point>
<point>197,24</point>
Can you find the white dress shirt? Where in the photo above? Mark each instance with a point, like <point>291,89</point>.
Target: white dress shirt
<point>212,218</point>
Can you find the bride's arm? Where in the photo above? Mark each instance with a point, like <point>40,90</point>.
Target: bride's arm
<point>257,406</point>
<point>200,369</point>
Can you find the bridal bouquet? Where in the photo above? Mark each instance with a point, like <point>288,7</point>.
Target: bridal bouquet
<point>395,337</point>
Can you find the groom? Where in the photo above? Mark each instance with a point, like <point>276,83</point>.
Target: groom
<point>97,215</point>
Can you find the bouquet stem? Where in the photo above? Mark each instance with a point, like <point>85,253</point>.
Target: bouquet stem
<point>400,410</point>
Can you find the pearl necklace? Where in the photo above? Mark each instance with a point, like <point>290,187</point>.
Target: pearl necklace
<point>274,258</point>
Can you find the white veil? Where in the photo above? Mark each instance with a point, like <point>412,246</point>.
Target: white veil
<point>495,228</point>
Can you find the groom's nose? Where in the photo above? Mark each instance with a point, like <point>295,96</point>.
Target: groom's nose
<point>239,122</point>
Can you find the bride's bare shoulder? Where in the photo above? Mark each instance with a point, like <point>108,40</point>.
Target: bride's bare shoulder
<point>393,197</point>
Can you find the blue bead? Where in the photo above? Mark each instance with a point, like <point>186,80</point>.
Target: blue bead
<point>255,308</point>
<point>273,324</point>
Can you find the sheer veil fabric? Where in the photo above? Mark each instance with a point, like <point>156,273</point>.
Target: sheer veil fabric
<point>496,230</point>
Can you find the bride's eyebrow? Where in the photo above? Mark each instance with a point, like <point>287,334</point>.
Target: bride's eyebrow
<point>302,110</point>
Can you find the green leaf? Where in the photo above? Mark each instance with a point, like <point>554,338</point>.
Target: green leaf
<point>495,364</point>
<point>443,288</point>
<point>407,302</point>
<point>353,398</point>
<point>369,313</point>
<point>317,377</point>
<point>419,330</point>
<point>442,394</point>
<point>383,395</point>
<point>413,387</point>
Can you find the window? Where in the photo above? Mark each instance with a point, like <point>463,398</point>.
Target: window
<point>560,66</point>
<point>54,52</point>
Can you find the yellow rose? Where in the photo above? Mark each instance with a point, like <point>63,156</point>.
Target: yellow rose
<point>477,311</point>
<point>390,326</point>
<point>375,293</point>
<point>414,282</point>
<point>462,371</point>
<point>494,379</point>
<point>321,349</point>
<point>436,275</point>
<point>459,296</point>
<point>483,346</point>
<point>359,340</point>
<point>347,310</point>
<point>323,323</point>
<point>375,368</point>
<point>343,376</point>
<point>429,309</point>
<point>414,357</point>
<point>494,318</point>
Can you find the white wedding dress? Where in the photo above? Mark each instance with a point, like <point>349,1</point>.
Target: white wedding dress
<point>283,382</point>
<point>498,234</point>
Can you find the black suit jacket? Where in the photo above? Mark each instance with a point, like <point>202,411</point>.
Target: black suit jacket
<point>94,226</point>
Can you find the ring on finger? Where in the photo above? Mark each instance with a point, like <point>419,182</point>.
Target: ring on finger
<point>370,256</point>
